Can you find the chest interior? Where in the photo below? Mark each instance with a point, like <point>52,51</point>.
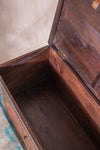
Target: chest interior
<point>57,88</point>
<point>43,86</point>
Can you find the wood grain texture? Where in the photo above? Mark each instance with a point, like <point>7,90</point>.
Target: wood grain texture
<point>48,116</point>
<point>79,31</point>
<point>56,20</point>
<point>17,120</point>
<point>50,119</point>
<point>50,93</point>
<point>84,99</point>
<point>16,73</point>
<point>24,66</point>
<point>5,142</point>
<point>47,112</point>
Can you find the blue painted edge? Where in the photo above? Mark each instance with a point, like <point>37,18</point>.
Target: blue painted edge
<point>11,127</point>
<point>9,98</point>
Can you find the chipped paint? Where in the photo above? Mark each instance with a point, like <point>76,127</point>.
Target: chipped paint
<point>18,148</point>
<point>11,137</point>
<point>8,134</point>
<point>14,115</point>
<point>10,128</point>
<point>1,95</point>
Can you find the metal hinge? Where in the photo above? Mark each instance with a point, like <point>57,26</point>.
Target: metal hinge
<point>61,54</point>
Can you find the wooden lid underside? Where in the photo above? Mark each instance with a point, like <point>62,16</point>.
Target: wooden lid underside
<point>77,29</point>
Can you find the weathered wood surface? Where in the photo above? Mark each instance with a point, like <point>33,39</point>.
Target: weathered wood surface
<point>44,108</point>
<point>78,34</point>
<point>50,93</point>
<point>85,103</point>
<point>6,142</point>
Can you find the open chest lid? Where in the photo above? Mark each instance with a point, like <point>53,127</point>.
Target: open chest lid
<point>76,31</point>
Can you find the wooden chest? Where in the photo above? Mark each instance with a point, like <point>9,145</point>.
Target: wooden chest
<point>52,95</point>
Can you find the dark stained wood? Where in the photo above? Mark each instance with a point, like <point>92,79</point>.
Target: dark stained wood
<point>26,58</point>
<point>21,70</point>
<point>84,99</point>
<point>49,118</point>
<point>96,80</point>
<point>56,20</point>
<point>79,31</point>
<point>18,121</point>
<point>52,95</point>
<point>45,108</point>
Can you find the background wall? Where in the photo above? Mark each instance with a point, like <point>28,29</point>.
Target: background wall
<point>24,26</point>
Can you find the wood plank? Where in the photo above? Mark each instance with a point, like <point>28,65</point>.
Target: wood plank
<point>83,97</point>
<point>78,36</point>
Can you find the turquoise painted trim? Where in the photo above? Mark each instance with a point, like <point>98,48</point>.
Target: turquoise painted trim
<point>17,146</point>
<point>1,95</point>
<point>10,137</point>
<point>10,126</point>
<point>9,98</point>
<point>8,134</point>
